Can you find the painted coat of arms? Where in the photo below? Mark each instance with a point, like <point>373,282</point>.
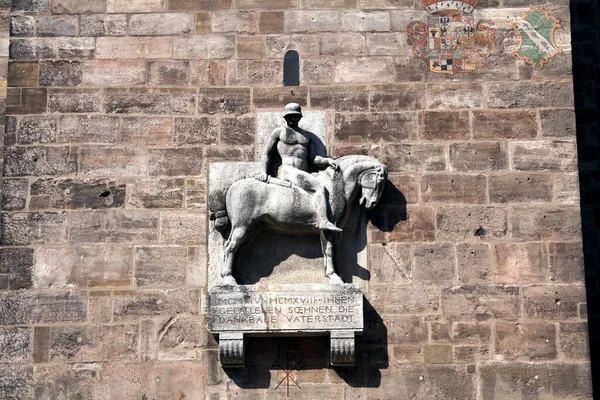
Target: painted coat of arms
<point>451,41</point>
<point>536,30</point>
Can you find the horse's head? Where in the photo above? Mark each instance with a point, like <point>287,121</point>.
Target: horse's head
<point>372,182</point>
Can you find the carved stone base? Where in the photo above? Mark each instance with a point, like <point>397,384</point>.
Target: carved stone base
<point>231,349</point>
<point>286,310</point>
<point>342,349</point>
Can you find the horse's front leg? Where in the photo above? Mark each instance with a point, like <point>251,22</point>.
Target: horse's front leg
<point>327,245</point>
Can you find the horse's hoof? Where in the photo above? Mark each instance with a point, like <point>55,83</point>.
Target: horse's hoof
<point>229,281</point>
<point>334,279</point>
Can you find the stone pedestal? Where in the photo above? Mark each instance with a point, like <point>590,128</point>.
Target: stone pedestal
<point>293,310</point>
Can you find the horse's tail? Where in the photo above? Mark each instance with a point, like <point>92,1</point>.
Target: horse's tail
<point>218,209</point>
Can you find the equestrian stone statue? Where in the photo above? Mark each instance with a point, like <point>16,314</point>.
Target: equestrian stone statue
<point>296,200</point>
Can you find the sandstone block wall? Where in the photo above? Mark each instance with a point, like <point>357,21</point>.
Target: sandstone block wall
<point>114,110</point>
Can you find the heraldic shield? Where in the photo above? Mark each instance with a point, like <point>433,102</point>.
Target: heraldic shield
<point>451,42</point>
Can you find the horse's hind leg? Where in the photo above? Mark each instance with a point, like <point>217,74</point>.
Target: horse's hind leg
<point>236,238</point>
<point>327,247</point>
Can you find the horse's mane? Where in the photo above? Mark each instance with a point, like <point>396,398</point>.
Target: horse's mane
<point>345,161</point>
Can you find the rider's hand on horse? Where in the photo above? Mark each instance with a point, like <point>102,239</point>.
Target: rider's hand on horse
<point>334,165</point>
<point>262,177</point>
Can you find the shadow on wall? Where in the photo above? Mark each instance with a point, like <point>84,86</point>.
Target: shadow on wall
<point>308,358</point>
<point>585,28</point>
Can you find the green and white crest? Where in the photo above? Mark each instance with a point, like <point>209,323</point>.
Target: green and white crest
<point>536,29</point>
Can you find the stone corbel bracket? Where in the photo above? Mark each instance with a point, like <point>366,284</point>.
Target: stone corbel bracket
<point>342,348</point>
<point>231,349</point>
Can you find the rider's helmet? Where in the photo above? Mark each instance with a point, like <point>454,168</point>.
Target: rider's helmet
<point>292,109</point>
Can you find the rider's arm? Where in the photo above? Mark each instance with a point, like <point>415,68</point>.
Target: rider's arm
<point>266,156</point>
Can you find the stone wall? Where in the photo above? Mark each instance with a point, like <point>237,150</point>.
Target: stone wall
<point>115,108</point>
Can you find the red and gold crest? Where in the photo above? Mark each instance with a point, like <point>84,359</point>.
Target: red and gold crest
<point>451,42</point>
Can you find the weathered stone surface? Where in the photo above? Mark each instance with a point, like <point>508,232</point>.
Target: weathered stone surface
<point>34,228</point>
<point>160,266</point>
<point>473,263</point>
<point>552,301</point>
<point>237,131</point>
<point>31,5</point>
<point>444,125</point>
<point>61,25</point>
<point>37,130</point>
<point>457,223</point>
<point>203,47</point>
<point>546,223</point>
<point>389,127</point>
<point>208,73</point>
<point>434,263</point>
<point>76,193</point>
<point>130,226</point>
<point>520,188</point>
<point>394,98</point>
<point>175,162</point>
<point>419,157</point>
<point>365,70</point>
<point>156,193</point>
<point>369,21</point>
<point>32,308</point>
<point>27,101</point>
<point>23,73</point>
<point>168,73</point>
<point>74,101</point>
<point>195,131</point>
<point>14,194</point>
<point>481,302</point>
<point>271,22</point>
<point>228,101</point>
<point>154,380</point>
<point>22,25</point>
<point>437,354</point>
<point>505,380</point>
<point>412,381</point>
<point>419,226</point>
<point>455,188</point>
<point>76,381</point>
<point>311,21</point>
<point>134,47</point>
<point>520,263</point>
<point>529,94</point>
<point>15,344</point>
<point>482,156</point>
<point>566,262</point>
<point>342,44</point>
<point>390,263</point>
<point>574,343</point>
<point>251,47</point>
<point>504,125</point>
<point>103,24</point>
<point>197,5</point>
<point>341,99</point>
<point>558,123</point>
<point>114,72</point>
<point>183,228</point>
<point>45,48</point>
<point>131,306</point>
<point>78,6</point>
<point>89,129</point>
<point>146,131</point>
<point>150,101</point>
<point>161,24</point>
<point>526,341</point>
<point>544,156</point>
<point>94,343</point>
<point>14,381</point>
<point>125,6</point>
<point>84,266</point>
<point>113,161</point>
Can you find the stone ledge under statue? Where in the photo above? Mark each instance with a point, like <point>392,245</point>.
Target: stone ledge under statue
<point>255,310</point>
<point>286,193</point>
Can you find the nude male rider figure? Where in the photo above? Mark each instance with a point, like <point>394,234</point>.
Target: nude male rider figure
<point>297,152</point>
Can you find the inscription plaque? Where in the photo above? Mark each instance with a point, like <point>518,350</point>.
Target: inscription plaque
<point>314,308</point>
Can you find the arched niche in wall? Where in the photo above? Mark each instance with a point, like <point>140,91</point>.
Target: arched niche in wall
<point>291,68</point>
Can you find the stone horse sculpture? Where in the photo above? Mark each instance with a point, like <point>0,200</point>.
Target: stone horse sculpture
<point>359,181</point>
